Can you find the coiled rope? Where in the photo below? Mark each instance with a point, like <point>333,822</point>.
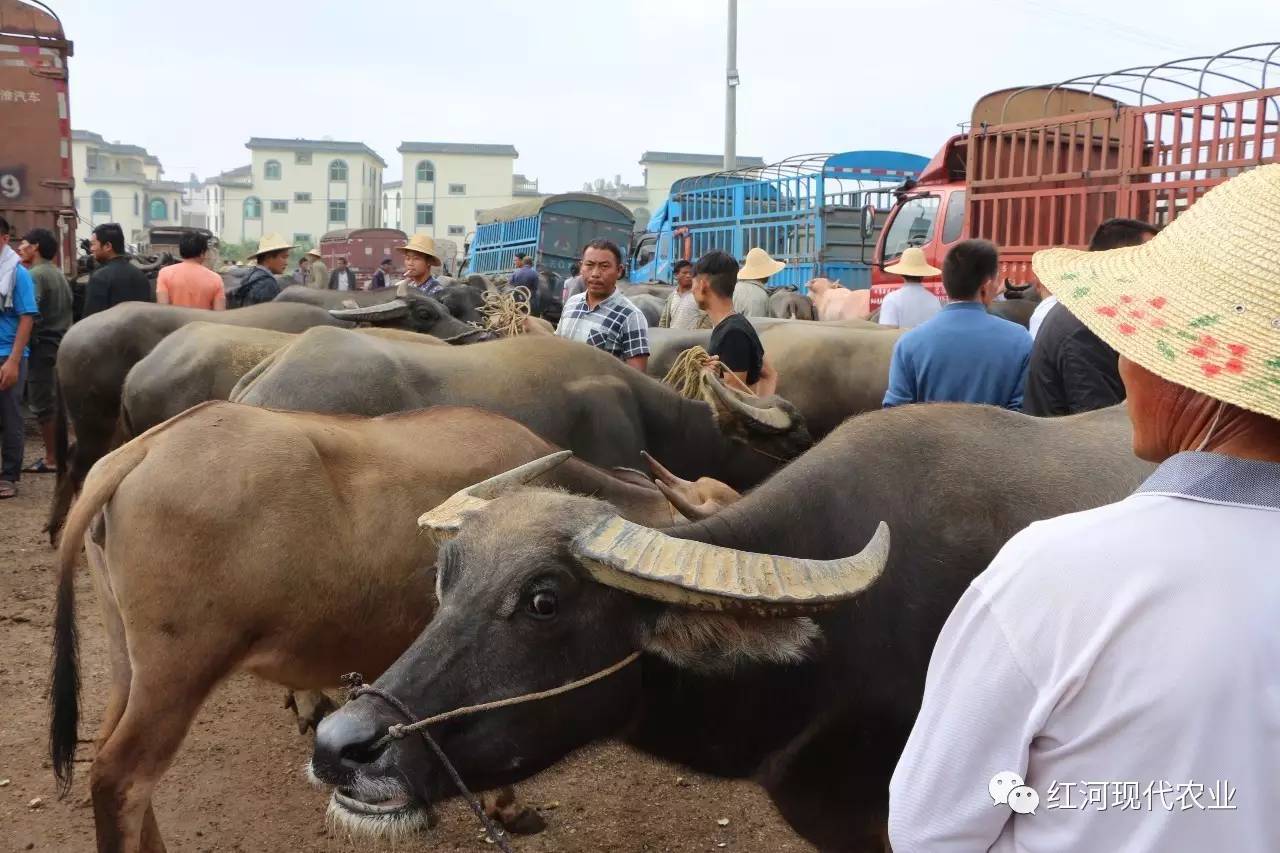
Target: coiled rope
<point>506,311</point>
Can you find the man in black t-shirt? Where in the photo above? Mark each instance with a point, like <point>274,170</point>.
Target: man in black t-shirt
<point>734,342</point>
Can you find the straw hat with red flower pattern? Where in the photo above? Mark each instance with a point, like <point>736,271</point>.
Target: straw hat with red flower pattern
<point>1198,304</point>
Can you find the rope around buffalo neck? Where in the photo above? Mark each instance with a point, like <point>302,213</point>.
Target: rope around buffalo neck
<point>396,731</point>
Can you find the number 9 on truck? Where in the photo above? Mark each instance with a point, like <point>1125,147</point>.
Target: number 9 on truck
<point>10,186</point>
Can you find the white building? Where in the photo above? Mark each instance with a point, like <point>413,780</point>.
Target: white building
<point>121,183</point>
<point>299,188</point>
<point>446,184</point>
<point>664,168</point>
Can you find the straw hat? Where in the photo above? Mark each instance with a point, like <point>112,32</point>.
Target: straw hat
<point>1199,304</point>
<point>423,245</point>
<point>271,243</point>
<point>912,263</point>
<point>313,253</point>
<point>759,265</point>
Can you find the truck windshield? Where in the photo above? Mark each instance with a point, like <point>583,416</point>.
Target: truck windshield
<point>912,225</point>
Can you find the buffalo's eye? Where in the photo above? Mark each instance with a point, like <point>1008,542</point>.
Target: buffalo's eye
<point>543,605</point>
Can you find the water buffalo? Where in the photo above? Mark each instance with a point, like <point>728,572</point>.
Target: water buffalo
<point>739,676</point>
<point>274,598</point>
<point>461,301</point>
<point>571,394</point>
<point>1014,310</point>
<point>202,362</point>
<point>409,309</point>
<point>648,288</point>
<point>789,305</point>
<point>826,370</point>
<point>97,353</point>
<point>650,306</point>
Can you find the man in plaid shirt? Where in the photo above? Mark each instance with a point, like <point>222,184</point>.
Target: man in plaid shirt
<point>600,316</point>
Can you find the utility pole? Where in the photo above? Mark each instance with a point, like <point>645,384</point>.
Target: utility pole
<point>730,95</point>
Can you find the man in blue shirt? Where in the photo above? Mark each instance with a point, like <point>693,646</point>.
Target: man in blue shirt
<point>17,316</point>
<point>963,354</point>
<point>526,276</point>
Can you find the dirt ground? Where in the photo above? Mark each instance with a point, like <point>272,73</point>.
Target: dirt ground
<point>237,784</point>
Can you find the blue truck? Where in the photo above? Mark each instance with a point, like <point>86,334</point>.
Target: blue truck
<point>811,211</point>
<point>553,229</point>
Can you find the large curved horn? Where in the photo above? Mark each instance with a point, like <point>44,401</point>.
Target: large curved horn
<point>445,521</point>
<point>767,417</point>
<point>391,310</point>
<point>651,564</point>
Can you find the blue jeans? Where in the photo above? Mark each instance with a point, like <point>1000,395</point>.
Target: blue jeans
<point>12,428</point>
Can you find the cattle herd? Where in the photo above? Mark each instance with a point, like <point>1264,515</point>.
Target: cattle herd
<point>779,574</point>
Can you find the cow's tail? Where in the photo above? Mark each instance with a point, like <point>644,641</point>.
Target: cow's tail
<point>63,487</point>
<point>64,698</point>
<point>61,433</point>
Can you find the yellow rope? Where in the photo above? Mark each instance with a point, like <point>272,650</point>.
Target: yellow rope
<point>505,313</point>
<point>686,374</point>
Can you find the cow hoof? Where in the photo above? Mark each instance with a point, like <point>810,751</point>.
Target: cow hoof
<point>528,822</point>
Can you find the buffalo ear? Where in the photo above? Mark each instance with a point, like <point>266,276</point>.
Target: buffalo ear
<point>721,642</point>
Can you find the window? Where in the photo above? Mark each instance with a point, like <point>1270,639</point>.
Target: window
<point>338,170</point>
<point>279,207</point>
<point>457,189</point>
<point>302,158</point>
<point>425,214</point>
<point>953,224</point>
<point>426,172</point>
<point>337,211</point>
<point>157,209</point>
<point>302,239</point>
<point>271,170</point>
<point>252,208</point>
<point>302,198</point>
<point>136,203</point>
<point>911,226</point>
<point>101,202</point>
<point>457,231</point>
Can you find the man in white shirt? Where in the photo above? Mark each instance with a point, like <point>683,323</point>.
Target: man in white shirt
<point>343,277</point>
<point>1124,662</point>
<point>911,304</point>
<point>1037,316</point>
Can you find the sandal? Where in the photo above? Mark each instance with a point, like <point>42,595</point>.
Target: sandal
<point>38,467</point>
<point>8,489</point>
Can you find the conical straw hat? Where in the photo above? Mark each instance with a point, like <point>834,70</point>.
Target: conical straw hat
<point>912,263</point>
<point>423,245</point>
<point>1199,304</point>
<point>271,243</point>
<point>759,265</point>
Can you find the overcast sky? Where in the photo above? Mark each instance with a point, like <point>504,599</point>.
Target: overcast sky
<point>581,89</point>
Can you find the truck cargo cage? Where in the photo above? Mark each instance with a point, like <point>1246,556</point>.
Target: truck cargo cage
<point>806,210</point>
<point>551,229</point>
<point>1047,164</point>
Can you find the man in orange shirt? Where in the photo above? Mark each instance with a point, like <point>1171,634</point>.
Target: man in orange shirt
<point>191,284</point>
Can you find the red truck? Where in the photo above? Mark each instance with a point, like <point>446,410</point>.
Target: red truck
<point>36,185</point>
<point>1043,166</point>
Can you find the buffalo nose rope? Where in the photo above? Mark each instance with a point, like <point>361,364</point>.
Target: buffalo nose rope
<point>356,688</point>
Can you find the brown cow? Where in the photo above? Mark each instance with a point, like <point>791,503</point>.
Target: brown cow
<point>198,583</point>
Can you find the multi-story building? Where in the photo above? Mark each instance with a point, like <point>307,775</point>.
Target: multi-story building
<point>446,184</point>
<point>121,183</point>
<point>664,168</point>
<point>634,198</point>
<point>300,188</point>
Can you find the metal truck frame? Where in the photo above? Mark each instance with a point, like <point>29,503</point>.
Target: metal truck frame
<point>1043,166</point>
<point>805,210</point>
